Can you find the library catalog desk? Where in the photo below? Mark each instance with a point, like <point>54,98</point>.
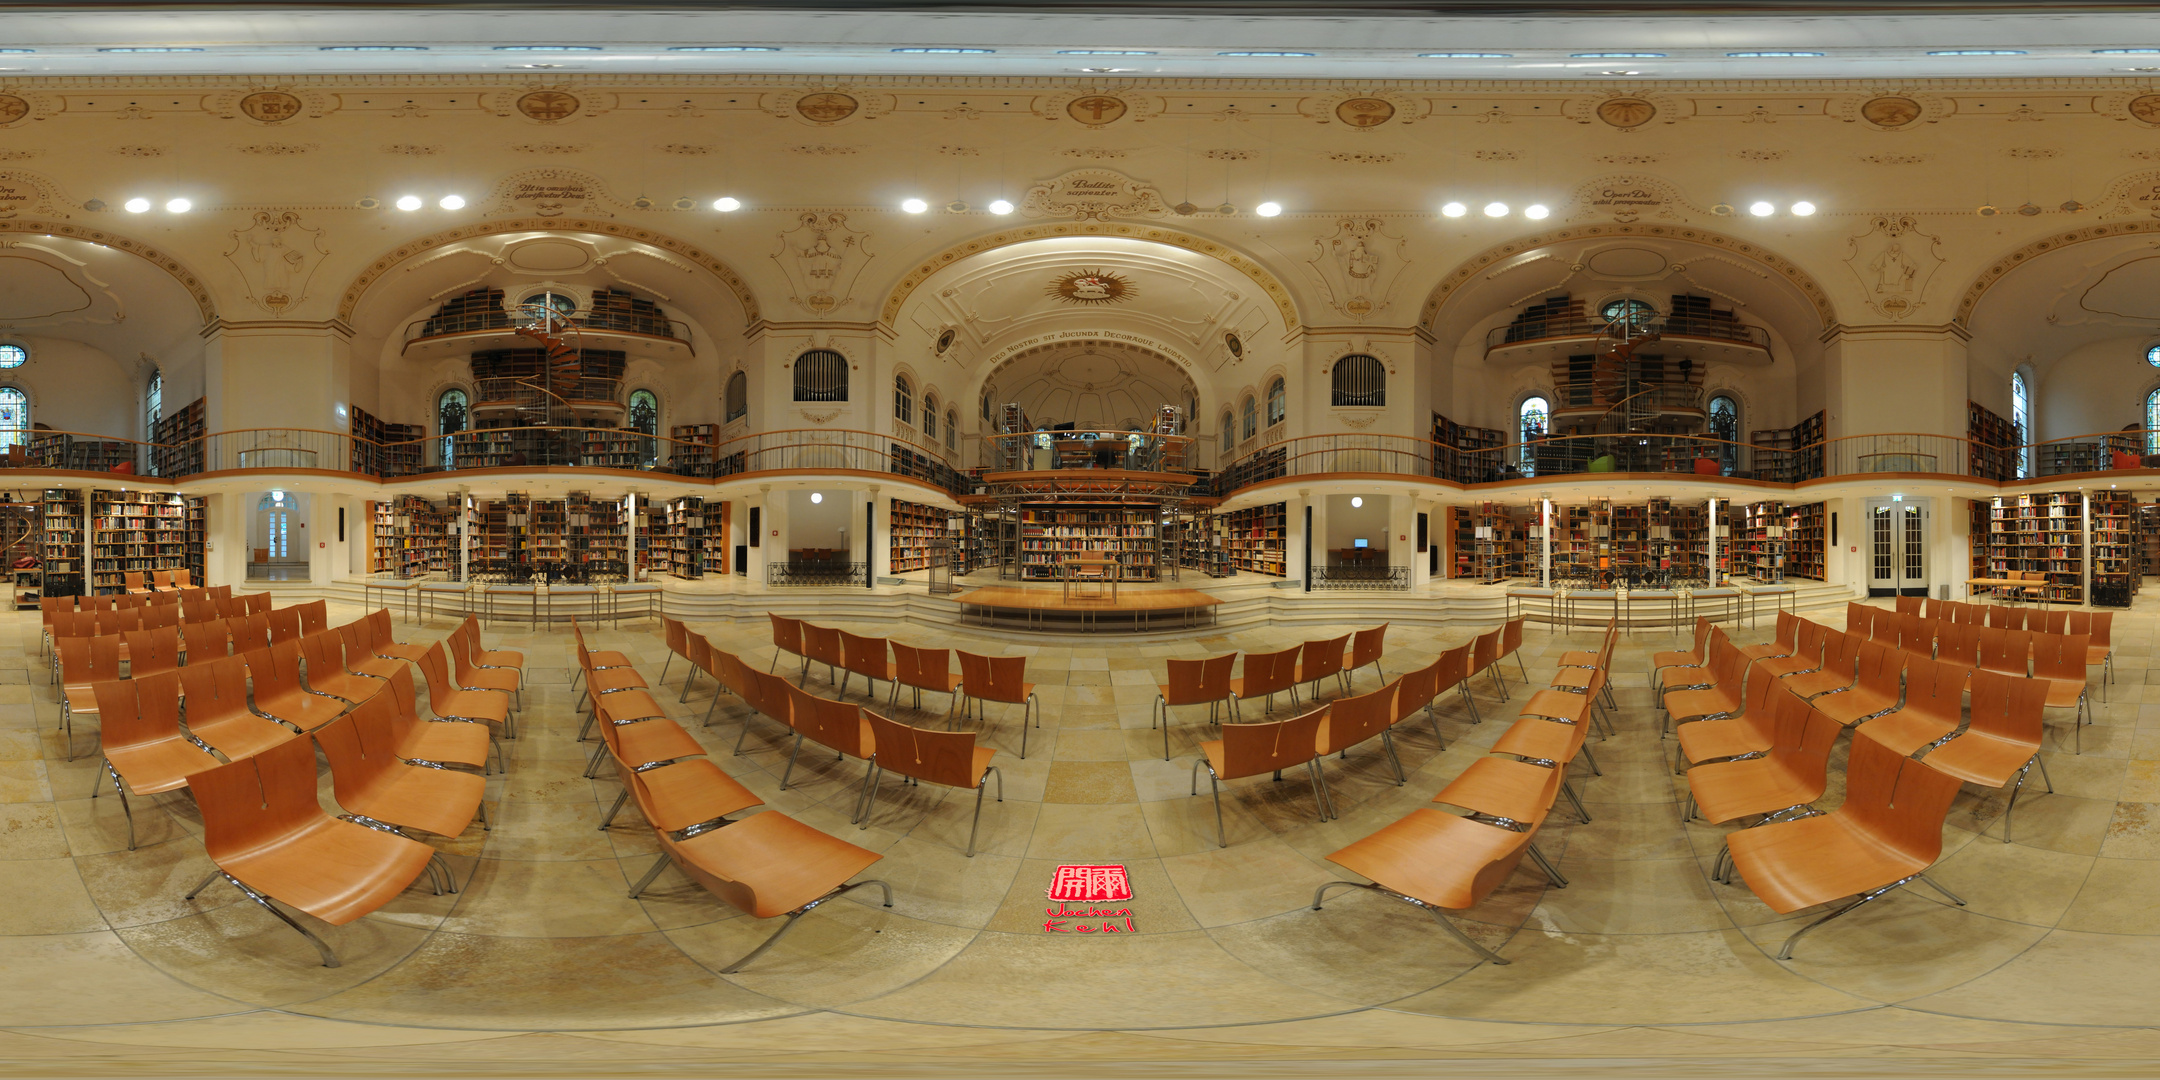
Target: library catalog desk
<point>1042,609</point>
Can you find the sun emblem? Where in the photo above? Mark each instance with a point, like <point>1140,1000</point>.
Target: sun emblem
<point>1091,287</point>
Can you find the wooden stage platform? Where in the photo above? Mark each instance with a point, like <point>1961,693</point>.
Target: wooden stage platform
<point>1046,609</point>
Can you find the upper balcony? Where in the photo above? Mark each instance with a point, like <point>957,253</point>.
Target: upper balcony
<point>1678,336</point>
<point>458,333</point>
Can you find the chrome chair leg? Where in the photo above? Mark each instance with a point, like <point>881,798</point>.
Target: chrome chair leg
<point>1867,897</point>
<point>1558,879</point>
<point>1391,894</point>
<point>799,913</point>
<point>658,865</point>
<point>329,959</point>
<point>984,783</point>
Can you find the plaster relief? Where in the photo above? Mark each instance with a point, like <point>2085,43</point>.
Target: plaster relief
<point>1361,110</point>
<point>1891,109</point>
<point>270,106</point>
<point>826,105</point>
<point>20,106</point>
<point>24,193</point>
<point>1093,194</point>
<point>1357,265</point>
<point>545,104</point>
<point>1626,197</point>
<point>822,255</point>
<point>552,193</point>
<point>1894,261</point>
<point>276,257</point>
<point>2137,194</point>
<point>1094,106</point>
<point>1627,110</point>
<point>47,286</point>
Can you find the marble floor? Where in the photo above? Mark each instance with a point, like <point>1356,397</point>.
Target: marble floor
<point>542,965</point>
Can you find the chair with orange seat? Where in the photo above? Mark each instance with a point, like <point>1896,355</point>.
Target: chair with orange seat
<point>765,865</point>
<point>471,676</point>
<point>1876,691</point>
<point>1789,776</point>
<point>1958,643</point>
<point>386,643</point>
<point>1001,679</point>
<point>1806,659</point>
<point>1485,659</point>
<point>118,620</point>
<point>205,641</point>
<point>1684,662</point>
<point>152,651</point>
<point>2099,627</point>
<point>1266,675</point>
<point>1193,682</point>
<point>1969,614</point>
<point>134,583</point>
<point>821,644</point>
<point>787,638</point>
<point>1840,667</point>
<point>160,616</point>
<point>685,793</point>
<point>1575,678</point>
<point>946,758</point>
<point>1454,674</point>
<point>1510,792</point>
<point>183,578</point>
<point>326,675</point>
<point>768,699</point>
<point>1555,737</point>
<point>643,736</point>
<point>279,693</point>
<point>1511,638</point>
<point>1912,604</point>
<point>48,608</point>
<point>2059,659</point>
<point>284,624</point>
<point>314,616</point>
<point>1886,833</point>
<point>217,709</point>
<point>1365,648</point>
<point>869,657</point>
<point>698,651</point>
<point>1785,644</point>
<point>2002,742</point>
<point>2004,617</point>
<point>487,708</point>
<point>2007,652</point>
<point>1417,691</point>
<point>1916,636</point>
<point>2047,622</point>
<point>837,726</point>
<point>1719,697</point>
<point>505,659</point>
<point>361,657</point>
<point>677,635</point>
<point>95,603</point>
<point>1750,730</point>
<point>1934,706</point>
<point>1319,659</point>
<point>139,732</point>
<point>369,780</point>
<point>84,662</point>
<point>270,838</point>
<point>600,659</point>
<point>255,603</point>
<point>1859,619</point>
<point>1436,861</point>
<point>1256,749</point>
<point>924,669</point>
<point>250,633</point>
<point>1351,721</point>
<point>161,580</point>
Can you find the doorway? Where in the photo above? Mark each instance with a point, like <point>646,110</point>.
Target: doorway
<point>1897,546</point>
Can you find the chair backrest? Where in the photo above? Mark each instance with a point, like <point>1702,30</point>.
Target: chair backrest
<point>378,621</point>
<point>461,654</point>
<point>993,678</point>
<point>152,651</point>
<point>202,610</point>
<point>119,621</point>
<point>250,632</point>
<point>353,770</point>
<point>314,616</point>
<point>1915,634</point>
<point>1880,666</point>
<point>1271,673</point>
<point>284,624</point>
<point>2050,622</point>
<point>1728,666</point>
<point>1366,645</point>
<point>677,634</point>
<point>1352,720</point>
<point>2102,628</point>
<point>1191,682</point>
<point>1800,747</point>
<point>728,669</point>
<point>1324,658</point>
<point>1938,610</point>
<point>1935,689</point>
<point>257,603</point>
<point>1485,650</point>
<point>1859,619</point>
<point>1703,626</point>
<point>325,654</point>
<point>74,624</point>
<point>184,578</point>
<point>1450,669</point>
<point>1841,652</point>
<point>359,638</point>
<point>1897,802</point>
<point>1810,645</point>
<point>1884,630</point>
<point>133,579</point>
<point>1252,749</point>
<point>403,693</point>
<point>2008,708</point>
<point>1416,690</point>
<point>771,698</point>
<point>435,664</point>
<point>2002,617</point>
<point>222,592</point>
<point>161,578</point>
<point>1909,604</point>
<point>1959,643</point>
<point>48,606</point>
<point>836,725</point>
<point>258,802</point>
<point>88,659</point>
<point>923,668</point>
<point>786,633</point>
<point>822,644</point>
<point>97,603</point>
<point>1969,614</point>
<point>699,651</point>
<point>2007,651</point>
<point>135,712</point>
<point>937,757</point>
<point>205,641</point>
<point>130,601</point>
<point>157,615</point>
<point>216,688</point>
<point>869,656</point>
<point>1788,631</point>
<point>2060,657</point>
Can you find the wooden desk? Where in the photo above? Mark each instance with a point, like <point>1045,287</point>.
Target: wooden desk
<point>1039,609</point>
<point>1093,568</point>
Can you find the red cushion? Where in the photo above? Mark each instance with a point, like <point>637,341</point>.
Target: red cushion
<point>1707,466</point>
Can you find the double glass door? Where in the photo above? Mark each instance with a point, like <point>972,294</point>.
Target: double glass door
<point>1897,547</point>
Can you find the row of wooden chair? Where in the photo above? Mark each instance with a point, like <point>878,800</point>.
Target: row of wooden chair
<point>2099,626</point>
<point>155,582</point>
<point>1442,862</point>
<point>50,606</point>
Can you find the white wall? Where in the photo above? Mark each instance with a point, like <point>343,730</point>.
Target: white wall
<point>2094,388</point>
<point>833,523</point>
<point>1346,524</point>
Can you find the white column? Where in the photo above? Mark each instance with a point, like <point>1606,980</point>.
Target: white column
<point>1710,526</point>
<point>629,513</point>
<point>463,501</point>
<point>1545,543</point>
<point>877,554</point>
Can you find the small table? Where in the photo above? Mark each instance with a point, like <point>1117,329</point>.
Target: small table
<point>1576,595</point>
<point>430,590</point>
<point>1671,597</point>
<point>1527,593</point>
<point>403,585</point>
<point>572,592</point>
<point>650,594</point>
<point>1777,594</point>
<point>531,593</point>
<point>1098,570</point>
<point>1726,593</point>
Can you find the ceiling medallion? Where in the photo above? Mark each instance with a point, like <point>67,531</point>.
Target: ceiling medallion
<point>548,105</point>
<point>2146,108</point>
<point>12,108</point>
<point>1626,112</point>
<point>826,107</point>
<point>1095,110</point>
<point>270,106</point>
<point>1365,112</point>
<point>1091,287</point>
<point>945,340</point>
<point>1890,112</point>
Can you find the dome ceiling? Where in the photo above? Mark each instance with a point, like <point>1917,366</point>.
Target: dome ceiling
<point>1111,384</point>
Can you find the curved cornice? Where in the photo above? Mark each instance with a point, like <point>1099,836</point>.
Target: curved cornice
<point>2001,268</point>
<point>153,256</point>
<point>422,245</point>
<point>1222,253</point>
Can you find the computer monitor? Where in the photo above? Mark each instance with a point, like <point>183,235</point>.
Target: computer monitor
<point>1360,543</point>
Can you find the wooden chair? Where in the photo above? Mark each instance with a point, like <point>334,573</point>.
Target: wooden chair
<point>1789,776</point>
<point>685,793</point>
<point>217,709</point>
<point>599,684</point>
<point>361,657</point>
<point>139,733</point>
<point>2059,660</point>
<point>284,624</point>
<point>270,838</point>
<point>2034,593</point>
<point>868,657</point>
<point>489,708</point>
<point>1910,604</point>
<point>2048,622</point>
<point>134,583</point>
<point>1750,730</point>
<point>1365,648</point>
<point>118,620</point>
<point>602,659</point>
<point>505,659</point>
<point>1320,659</point>
<point>160,616</point>
<point>1958,643</point>
<point>1454,674</point>
<point>1576,678</point>
<point>255,603</point>
<point>2002,617</point>
<point>1689,661</point>
<point>387,644</point>
<point>326,674</point>
<point>2099,627</point>
<point>1719,697</point>
<point>249,633</point>
<point>2008,652</point>
<point>444,741</point>
<point>1934,707</point>
<point>835,725</point>
<point>787,638</point>
<point>924,669</point>
<point>1417,691</point>
<point>1511,637</point>
<point>1916,636</point>
<point>48,608</point>
<point>84,662</point>
<point>769,699</point>
<point>1485,658</point>
<point>151,652</point>
<point>205,641</point>
<point>1254,749</point>
<point>1969,614</point>
<point>97,603</point>
<point>1002,679</point>
<point>946,758</point>
<point>1840,667</point>
<point>1887,833</point>
<point>1859,619</point>
<point>677,635</point>
<point>314,616</point>
<point>1786,643</point>
<point>369,780</point>
<point>1807,658</point>
<point>183,578</point>
<point>1437,861</point>
<point>699,652</point>
<point>1193,682</point>
<point>765,865</point>
<point>1349,722</point>
<point>2002,741</point>
<point>279,693</point>
<point>1555,736</point>
<point>1503,790</point>
<point>821,644</point>
<point>1876,691</point>
<point>161,580</point>
<point>471,676</point>
<point>1268,674</point>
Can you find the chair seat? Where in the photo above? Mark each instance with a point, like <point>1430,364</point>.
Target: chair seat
<point>1579,659</point>
<point>1729,790</point>
<point>449,742</point>
<point>503,658</point>
<point>1212,749</point>
<point>1577,678</point>
<point>1663,660</point>
<point>608,659</point>
<point>1164,692</point>
<point>489,705</point>
<point>149,768</point>
<point>1906,731</point>
<point>1768,650</point>
<point>1516,790</point>
<point>1543,740</point>
<point>633,704</point>
<point>374,667</point>
<point>2063,693</point>
<point>1796,864</point>
<point>688,792</point>
<point>1853,705</point>
<point>1432,855</point>
<point>1237,689</point>
<point>81,701</point>
<point>1717,699</point>
<point>439,801</point>
<point>784,862</point>
<point>2096,654</point>
<point>647,741</point>
<point>241,736</point>
<point>1811,684</point>
<point>610,679</point>
<point>489,679</point>
<point>1979,757</point>
<point>302,710</point>
<point>1558,703</point>
<point>1787,666</point>
<point>352,688</point>
<point>394,651</point>
<point>1709,740</point>
<point>292,871</point>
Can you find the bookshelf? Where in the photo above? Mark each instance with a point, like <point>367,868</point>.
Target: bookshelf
<point>1258,539</point>
<point>1502,543</point>
<point>2043,532</point>
<point>382,449</point>
<point>679,546</point>
<point>1464,454</point>
<point>63,540</point>
<point>1759,551</point>
<point>198,536</point>
<point>693,448</point>
<point>135,532</point>
<point>2117,555</point>
<point>546,542</point>
<point>913,527</point>
<point>593,535</point>
<point>717,519</point>
<point>1807,542</point>
<point>23,521</point>
<point>1976,536</point>
<point>179,449</point>
<point>1128,535</point>
<point>612,448</point>
<point>1800,451</point>
<point>2148,515</point>
<point>1994,442</point>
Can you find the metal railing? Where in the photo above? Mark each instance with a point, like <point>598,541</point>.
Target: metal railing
<point>507,393</point>
<point>1396,578</point>
<point>1721,330</point>
<point>472,322</point>
<point>804,574</point>
<point>1044,451</point>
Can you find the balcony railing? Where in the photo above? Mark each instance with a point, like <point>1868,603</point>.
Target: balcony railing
<point>473,322</point>
<point>1720,330</point>
<point>587,393</point>
<point>1045,451</point>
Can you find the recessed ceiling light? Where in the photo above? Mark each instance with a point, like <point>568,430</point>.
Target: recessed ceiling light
<point>1104,52</point>
<point>1496,209</point>
<point>1537,211</point>
<point>1454,209</point>
<point>1618,55</point>
<point>1768,54</point>
<point>1264,52</point>
<point>17,50</point>
<point>136,206</point>
<point>178,206</point>
<point>1803,208</point>
<point>1465,56</point>
<point>944,50</point>
<point>1976,52</point>
<point>452,202</point>
<point>721,48</point>
<point>1268,209</point>
<point>1620,72</point>
<point>727,204</point>
<point>1761,209</point>
<point>153,48</point>
<point>2142,69</point>
<point>547,48</point>
<point>1001,206</point>
<point>914,206</point>
<point>373,48</point>
<point>408,202</point>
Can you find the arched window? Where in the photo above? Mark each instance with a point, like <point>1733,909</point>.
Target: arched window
<point>821,375</point>
<point>2152,422</point>
<point>1532,422</point>
<point>952,429</point>
<point>2021,418</point>
<point>929,416</point>
<point>1725,426</point>
<point>903,399</point>
<point>14,417</point>
<point>153,411</point>
<point>2152,355</point>
<point>1360,380</point>
<point>1628,312</point>
<point>450,412</point>
<point>645,420</point>
<point>986,406</point>
<point>1251,412</point>
<point>13,356</point>
<point>738,396</point>
<point>1229,432</point>
<point>1278,401</point>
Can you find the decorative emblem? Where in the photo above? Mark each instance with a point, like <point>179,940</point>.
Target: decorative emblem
<point>1235,344</point>
<point>1091,287</point>
<point>548,105</point>
<point>1894,261</point>
<point>1096,110</point>
<point>12,108</point>
<point>277,256</point>
<point>1098,194</point>
<point>1365,112</point>
<point>945,340</point>
<point>2145,108</point>
<point>1089,885</point>
<point>826,107</point>
<point>821,256</point>
<point>1890,112</point>
<point>1626,113</point>
<point>270,106</point>
<point>1081,884</point>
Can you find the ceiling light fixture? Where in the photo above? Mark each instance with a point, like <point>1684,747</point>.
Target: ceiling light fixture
<point>1454,209</point>
<point>727,204</point>
<point>1265,52</point>
<point>1268,209</point>
<point>1976,52</point>
<point>721,48</point>
<point>408,202</point>
<point>1105,70</point>
<point>1769,55</point>
<point>1803,208</point>
<point>178,206</point>
<point>1619,72</point>
<point>1104,52</point>
<point>17,50</point>
<point>547,48</point>
<point>1466,56</point>
<point>136,205</point>
<point>1618,55</point>
<point>914,206</point>
<point>451,202</point>
<point>2124,52</point>
<point>1001,207</point>
<point>1496,209</point>
<point>373,48</point>
<point>817,496</point>
<point>944,50</point>
<point>1357,501</point>
<point>1537,211</point>
<point>1761,209</point>
<point>152,49</point>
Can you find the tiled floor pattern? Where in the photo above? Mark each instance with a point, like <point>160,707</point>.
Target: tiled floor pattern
<point>543,965</point>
